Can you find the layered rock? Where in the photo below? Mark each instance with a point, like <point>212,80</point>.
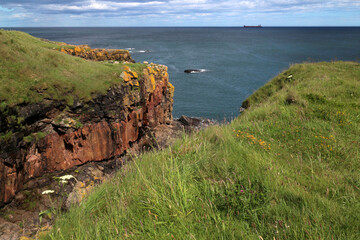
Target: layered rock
<point>97,54</point>
<point>50,136</point>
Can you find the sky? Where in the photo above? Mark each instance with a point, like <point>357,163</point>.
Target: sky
<point>143,13</point>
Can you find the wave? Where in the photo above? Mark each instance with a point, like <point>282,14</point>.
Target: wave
<point>139,51</point>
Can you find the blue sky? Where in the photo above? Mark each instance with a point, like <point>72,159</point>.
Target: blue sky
<point>52,13</point>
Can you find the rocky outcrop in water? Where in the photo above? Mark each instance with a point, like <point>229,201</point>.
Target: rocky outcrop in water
<point>192,71</point>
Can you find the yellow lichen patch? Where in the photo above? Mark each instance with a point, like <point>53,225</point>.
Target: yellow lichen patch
<point>127,68</point>
<point>135,83</point>
<point>134,74</point>
<point>130,76</point>
<point>152,81</point>
<point>126,76</point>
<point>77,50</point>
<point>166,75</point>
<point>99,54</point>
<point>150,70</point>
<point>171,89</point>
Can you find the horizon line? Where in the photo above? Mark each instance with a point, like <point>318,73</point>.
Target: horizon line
<point>241,26</point>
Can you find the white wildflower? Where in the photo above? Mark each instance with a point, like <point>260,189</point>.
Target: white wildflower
<point>63,181</point>
<point>47,192</point>
<point>66,177</point>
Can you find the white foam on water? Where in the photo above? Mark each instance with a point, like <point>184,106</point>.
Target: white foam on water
<point>142,51</point>
<point>200,71</point>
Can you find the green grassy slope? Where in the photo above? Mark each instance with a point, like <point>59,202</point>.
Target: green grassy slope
<point>31,70</point>
<point>287,168</point>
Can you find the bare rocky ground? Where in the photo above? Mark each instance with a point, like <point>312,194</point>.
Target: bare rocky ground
<point>32,213</point>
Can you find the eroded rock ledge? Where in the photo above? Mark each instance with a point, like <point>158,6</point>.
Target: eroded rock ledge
<point>98,54</point>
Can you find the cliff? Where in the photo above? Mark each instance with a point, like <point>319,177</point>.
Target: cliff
<point>286,168</point>
<point>59,111</point>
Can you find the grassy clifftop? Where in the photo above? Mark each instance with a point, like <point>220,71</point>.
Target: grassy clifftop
<point>287,168</point>
<point>32,69</point>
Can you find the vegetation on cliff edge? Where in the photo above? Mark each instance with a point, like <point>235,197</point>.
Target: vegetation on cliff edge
<point>287,168</point>
<point>32,69</point>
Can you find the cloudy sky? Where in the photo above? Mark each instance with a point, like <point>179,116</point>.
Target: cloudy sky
<point>27,13</point>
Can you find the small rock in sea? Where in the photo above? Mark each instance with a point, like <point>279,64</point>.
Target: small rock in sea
<point>146,62</point>
<point>192,71</point>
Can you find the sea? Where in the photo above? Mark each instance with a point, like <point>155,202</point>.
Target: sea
<point>234,61</point>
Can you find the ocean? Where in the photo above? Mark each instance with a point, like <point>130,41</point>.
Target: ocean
<point>235,61</point>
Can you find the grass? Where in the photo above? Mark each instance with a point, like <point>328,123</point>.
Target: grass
<point>32,69</point>
<point>287,168</point>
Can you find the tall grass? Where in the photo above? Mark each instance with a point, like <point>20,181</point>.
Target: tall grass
<point>287,168</point>
<point>32,70</point>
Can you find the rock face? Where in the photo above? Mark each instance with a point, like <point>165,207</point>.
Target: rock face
<point>29,202</point>
<point>50,136</point>
<point>98,54</point>
<point>9,230</point>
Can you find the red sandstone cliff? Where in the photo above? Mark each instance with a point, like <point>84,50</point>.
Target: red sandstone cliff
<point>98,130</point>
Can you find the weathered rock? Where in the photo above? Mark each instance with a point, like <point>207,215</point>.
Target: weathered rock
<point>192,71</point>
<point>53,137</point>
<point>97,54</point>
<point>189,121</point>
<point>166,134</point>
<point>9,231</point>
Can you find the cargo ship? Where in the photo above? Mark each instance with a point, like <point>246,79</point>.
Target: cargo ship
<point>258,26</point>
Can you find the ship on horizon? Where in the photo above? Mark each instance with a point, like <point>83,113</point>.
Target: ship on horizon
<point>258,26</point>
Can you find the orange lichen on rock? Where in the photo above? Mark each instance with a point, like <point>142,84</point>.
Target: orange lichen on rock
<point>78,50</point>
<point>129,76</point>
<point>171,90</point>
<point>126,68</point>
<point>126,76</point>
<point>84,51</point>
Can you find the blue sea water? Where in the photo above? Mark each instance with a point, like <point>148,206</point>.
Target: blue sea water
<point>238,60</point>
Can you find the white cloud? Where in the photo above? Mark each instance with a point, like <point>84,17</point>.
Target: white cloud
<point>20,15</point>
<point>100,5</point>
<point>167,10</point>
<point>203,14</point>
